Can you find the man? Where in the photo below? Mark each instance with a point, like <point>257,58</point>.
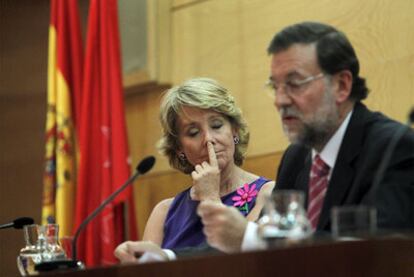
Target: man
<point>337,143</point>
<point>314,75</point>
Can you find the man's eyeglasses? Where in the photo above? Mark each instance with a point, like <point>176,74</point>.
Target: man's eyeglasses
<point>291,87</point>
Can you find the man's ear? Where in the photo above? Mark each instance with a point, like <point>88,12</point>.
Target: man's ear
<point>343,88</point>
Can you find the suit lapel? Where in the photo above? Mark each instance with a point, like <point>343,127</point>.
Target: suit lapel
<point>343,173</point>
<point>339,184</point>
<point>302,179</point>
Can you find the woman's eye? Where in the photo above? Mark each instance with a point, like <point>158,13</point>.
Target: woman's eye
<point>192,132</point>
<point>217,125</point>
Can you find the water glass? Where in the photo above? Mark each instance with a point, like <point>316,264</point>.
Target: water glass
<point>31,254</point>
<point>284,219</point>
<point>351,222</point>
<point>42,245</point>
<point>54,250</point>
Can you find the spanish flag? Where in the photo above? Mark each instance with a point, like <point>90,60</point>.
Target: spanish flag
<point>65,65</point>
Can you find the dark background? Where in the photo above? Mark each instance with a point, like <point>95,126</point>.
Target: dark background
<point>24,29</point>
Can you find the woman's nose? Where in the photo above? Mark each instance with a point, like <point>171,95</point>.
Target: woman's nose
<point>209,137</point>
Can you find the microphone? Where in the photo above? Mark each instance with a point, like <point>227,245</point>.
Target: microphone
<point>143,167</point>
<point>18,223</point>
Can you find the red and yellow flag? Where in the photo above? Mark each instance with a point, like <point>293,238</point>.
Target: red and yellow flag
<point>63,96</point>
<point>104,164</point>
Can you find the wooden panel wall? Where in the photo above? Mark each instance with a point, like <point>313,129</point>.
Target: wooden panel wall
<point>23,44</point>
<point>227,40</point>
<point>24,29</point>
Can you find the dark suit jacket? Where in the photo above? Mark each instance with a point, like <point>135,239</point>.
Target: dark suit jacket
<point>360,154</point>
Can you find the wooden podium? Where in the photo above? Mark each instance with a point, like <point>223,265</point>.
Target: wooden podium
<point>379,257</point>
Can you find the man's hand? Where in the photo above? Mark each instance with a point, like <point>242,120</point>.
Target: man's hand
<point>131,251</point>
<point>223,226</point>
<point>206,178</point>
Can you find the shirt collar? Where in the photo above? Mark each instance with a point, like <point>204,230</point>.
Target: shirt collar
<point>330,152</point>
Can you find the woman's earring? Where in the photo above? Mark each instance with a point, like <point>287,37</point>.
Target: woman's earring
<point>236,140</point>
<point>181,156</point>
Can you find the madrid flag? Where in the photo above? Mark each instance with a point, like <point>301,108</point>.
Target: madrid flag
<point>104,163</point>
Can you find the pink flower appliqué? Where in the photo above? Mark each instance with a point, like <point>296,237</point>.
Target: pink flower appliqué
<point>245,195</point>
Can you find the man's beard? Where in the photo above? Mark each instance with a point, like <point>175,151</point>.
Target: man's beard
<point>317,130</point>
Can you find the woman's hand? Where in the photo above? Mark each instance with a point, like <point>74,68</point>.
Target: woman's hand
<point>131,251</point>
<point>206,178</point>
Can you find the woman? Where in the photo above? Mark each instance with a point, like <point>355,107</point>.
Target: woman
<point>204,135</point>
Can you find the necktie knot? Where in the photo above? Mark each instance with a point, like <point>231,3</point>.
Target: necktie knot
<point>319,167</point>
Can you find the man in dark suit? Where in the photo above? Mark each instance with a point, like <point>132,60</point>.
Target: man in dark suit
<point>318,92</point>
<point>337,143</point>
<point>362,149</point>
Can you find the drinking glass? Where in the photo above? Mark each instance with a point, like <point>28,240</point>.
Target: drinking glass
<point>54,250</point>
<point>284,219</point>
<point>42,245</point>
<point>353,222</point>
<point>31,254</point>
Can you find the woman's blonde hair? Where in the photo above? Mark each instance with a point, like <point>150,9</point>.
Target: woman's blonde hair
<point>202,93</point>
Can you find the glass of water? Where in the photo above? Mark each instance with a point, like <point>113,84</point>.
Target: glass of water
<point>42,245</point>
<point>353,222</point>
<point>284,219</point>
<point>31,254</point>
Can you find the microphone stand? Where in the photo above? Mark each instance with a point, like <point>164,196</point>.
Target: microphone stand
<point>97,210</point>
<point>390,150</point>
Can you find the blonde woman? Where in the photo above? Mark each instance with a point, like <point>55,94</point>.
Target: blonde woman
<point>204,135</point>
